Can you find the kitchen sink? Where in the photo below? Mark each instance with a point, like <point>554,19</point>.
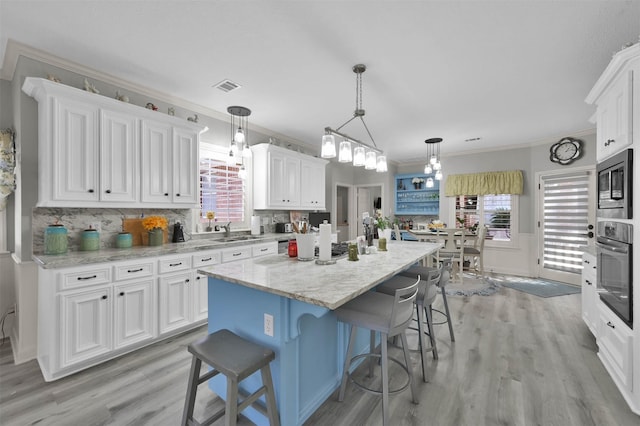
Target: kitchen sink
<point>237,238</point>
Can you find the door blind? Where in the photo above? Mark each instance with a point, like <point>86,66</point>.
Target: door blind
<point>565,220</point>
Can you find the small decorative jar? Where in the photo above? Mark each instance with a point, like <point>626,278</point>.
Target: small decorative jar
<point>353,252</point>
<point>293,248</point>
<point>90,240</point>
<point>382,244</point>
<point>55,239</point>
<point>156,237</point>
<point>124,240</point>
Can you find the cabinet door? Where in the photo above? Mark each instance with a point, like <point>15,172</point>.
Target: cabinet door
<point>174,301</point>
<point>118,157</point>
<point>85,325</point>
<point>133,313</point>
<point>276,176</point>
<point>157,174</point>
<point>185,166</point>
<point>75,164</point>
<point>614,117</point>
<point>199,300</point>
<point>312,188</point>
<point>589,294</point>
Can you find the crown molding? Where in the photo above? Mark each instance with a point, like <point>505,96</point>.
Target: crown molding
<point>15,49</point>
<point>616,66</point>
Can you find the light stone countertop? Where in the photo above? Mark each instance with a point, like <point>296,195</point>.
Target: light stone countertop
<point>79,258</point>
<point>329,286</point>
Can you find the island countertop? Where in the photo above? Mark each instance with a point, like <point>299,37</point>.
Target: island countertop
<point>329,286</point>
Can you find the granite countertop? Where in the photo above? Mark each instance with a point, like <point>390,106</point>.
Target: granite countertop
<point>78,258</point>
<point>329,286</point>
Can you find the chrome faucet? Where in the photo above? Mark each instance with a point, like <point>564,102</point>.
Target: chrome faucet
<point>227,229</point>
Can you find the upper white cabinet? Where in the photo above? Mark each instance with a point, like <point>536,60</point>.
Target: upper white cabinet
<point>614,96</point>
<point>95,151</point>
<point>287,180</point>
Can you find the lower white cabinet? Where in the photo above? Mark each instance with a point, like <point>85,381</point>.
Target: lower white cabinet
<point>589,293</point>
<point>175,301</point>
<point>615,347</point>
<point>134,312</point>
<point>199,298</point>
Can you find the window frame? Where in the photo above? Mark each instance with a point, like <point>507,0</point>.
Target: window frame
<point>207,149</point>
<point>514,219</point>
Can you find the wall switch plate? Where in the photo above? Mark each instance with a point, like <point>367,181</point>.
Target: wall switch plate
<point>268,325</point>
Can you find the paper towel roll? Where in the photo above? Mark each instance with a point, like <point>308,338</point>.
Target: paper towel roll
<point>325,242</point>
<point>255,225</point>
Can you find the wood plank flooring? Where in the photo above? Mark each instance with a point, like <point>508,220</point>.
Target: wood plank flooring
<point>518,360</point>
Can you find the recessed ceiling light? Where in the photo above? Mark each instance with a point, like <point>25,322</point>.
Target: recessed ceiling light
<point>227,85</point>
<point>472,139</point>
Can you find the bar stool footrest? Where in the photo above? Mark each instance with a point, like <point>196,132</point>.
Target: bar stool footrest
<point>375,391</point>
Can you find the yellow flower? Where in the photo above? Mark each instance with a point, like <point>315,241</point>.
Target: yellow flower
<point>210,215</point>
<point>153,222</point>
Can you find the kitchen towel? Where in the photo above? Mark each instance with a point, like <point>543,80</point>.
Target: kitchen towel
<point>255,225</point>
<point>324,242</point>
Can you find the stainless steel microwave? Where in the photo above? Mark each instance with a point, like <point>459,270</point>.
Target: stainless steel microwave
<point>615,186</point>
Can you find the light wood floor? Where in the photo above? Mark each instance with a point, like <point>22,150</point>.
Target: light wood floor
<point>517,360</point>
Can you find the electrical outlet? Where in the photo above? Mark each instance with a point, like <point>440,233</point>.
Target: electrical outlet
<point>268,325</point>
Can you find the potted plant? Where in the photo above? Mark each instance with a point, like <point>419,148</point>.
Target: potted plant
<point>383,224</point>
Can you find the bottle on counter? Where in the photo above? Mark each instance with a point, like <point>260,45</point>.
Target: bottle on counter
<point>55,239</point>
<point>293,248</point>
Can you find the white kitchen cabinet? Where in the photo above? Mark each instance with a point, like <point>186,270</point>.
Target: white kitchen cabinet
<point>236,253</point>
<point>94,151</point>
<point>199,298</point>
<point>85,328</point>
<point>615,347</point>
<point>134,312</point>
<point>589,294</point>
<point>175,301</point>
<point>287,180</point>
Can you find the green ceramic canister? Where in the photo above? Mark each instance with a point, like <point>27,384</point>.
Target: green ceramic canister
<point>55,239</point>
<point>124,240</point>
<point>90,240</point>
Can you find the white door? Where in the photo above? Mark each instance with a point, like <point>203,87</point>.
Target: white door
<point>174,302</point>
<point>156,163</point>
<point>118,157</point>
<point>566,221</point>
<point>86,325</point>
<point>134,312</point>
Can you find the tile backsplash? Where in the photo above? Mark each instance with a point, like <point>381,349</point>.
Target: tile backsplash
<point>109,222</point>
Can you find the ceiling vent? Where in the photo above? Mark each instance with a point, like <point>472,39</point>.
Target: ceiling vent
<point>227,85</point>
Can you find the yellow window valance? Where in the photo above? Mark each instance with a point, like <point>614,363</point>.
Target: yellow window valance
<point>509,182</point>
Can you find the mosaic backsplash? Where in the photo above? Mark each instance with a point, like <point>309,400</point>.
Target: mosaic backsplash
<point>108,221</point>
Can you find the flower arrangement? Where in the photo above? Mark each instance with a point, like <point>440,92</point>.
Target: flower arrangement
<point>210,215</point>
<point>154,222</point>
<point>382,222</point>
<point>417,180</point>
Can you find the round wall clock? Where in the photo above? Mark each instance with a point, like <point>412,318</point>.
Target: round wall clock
<point>565,151</point>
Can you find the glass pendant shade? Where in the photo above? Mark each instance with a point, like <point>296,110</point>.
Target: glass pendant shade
<point>328,147</point>
<point>370,161</point>
<point>381,167</point>
<point>239,136</point>
<point>358,156</point>
<point>246,151</point>
<point>429,183</point>
<point>345,152</point>
<point>234,148</point>
<point>437,166</point>
<point>438,175</point>
<point>242,173</point>
<point>427,169</point>
<point>231,160</point>
<point>433,159</point>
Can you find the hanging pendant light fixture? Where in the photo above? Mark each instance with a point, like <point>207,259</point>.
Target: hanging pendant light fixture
<point>376,159</point>
<point>433,160</point>
<point>239,148</point>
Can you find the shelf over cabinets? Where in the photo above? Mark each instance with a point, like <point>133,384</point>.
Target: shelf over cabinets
<point>412,197</point>
<point>287,180</point>
<point>90,152</point>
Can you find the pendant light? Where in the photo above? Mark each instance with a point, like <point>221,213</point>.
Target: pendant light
<point>433,160</point>
<point>240,130</point>
<point>373,159</point>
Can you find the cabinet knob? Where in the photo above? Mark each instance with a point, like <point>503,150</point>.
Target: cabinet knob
<point>197,278</point>
<point>104,297</point>
<point>166,194</point>
<point>588,282</point>
<point>122,293</point>
<point>187,280</point>
<point>177,195</point>
<point>108,191</point>
<point>91,191</point>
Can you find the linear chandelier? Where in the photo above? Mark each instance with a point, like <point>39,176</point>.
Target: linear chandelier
<point>239,137</point>
<point>371,157</point>
<point>433,160</point>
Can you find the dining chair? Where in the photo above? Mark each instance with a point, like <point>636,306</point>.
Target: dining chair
<point>453,248</point>
<point>397,232</point>
<point>475,252</point>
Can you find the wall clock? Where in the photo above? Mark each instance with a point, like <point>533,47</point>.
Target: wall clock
<point>565,151</point>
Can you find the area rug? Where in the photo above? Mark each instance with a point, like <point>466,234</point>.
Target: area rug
<point>536,286</point>
<point>472,285</point>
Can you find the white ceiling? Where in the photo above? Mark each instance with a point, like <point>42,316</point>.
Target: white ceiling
<point>508,72</point>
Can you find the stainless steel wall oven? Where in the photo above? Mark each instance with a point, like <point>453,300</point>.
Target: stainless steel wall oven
<point>615,186</point>
<point>614,248</point>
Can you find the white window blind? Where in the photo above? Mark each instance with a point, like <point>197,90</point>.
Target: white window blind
<point>221,190</point>
<point>493,211</point>
<point>565,220</point>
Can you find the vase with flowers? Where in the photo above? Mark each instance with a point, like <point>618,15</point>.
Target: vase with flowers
<point>210,216</point>
<point>383,224</point>
<point>417,182</point>
<point>155,226</point>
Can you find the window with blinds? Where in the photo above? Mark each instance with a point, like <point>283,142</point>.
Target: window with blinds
<point>564,221</point>
<point>493,211</point>
<point>221,189</point>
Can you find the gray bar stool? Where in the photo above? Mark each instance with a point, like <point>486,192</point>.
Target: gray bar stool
<point>427,292</point>
<point>237,359</point>
<point>390,316</point>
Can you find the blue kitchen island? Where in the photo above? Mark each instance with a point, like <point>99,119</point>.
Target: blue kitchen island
<point>287,305</point>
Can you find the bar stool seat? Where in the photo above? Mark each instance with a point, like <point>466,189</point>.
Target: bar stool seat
<point>237,359</point>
